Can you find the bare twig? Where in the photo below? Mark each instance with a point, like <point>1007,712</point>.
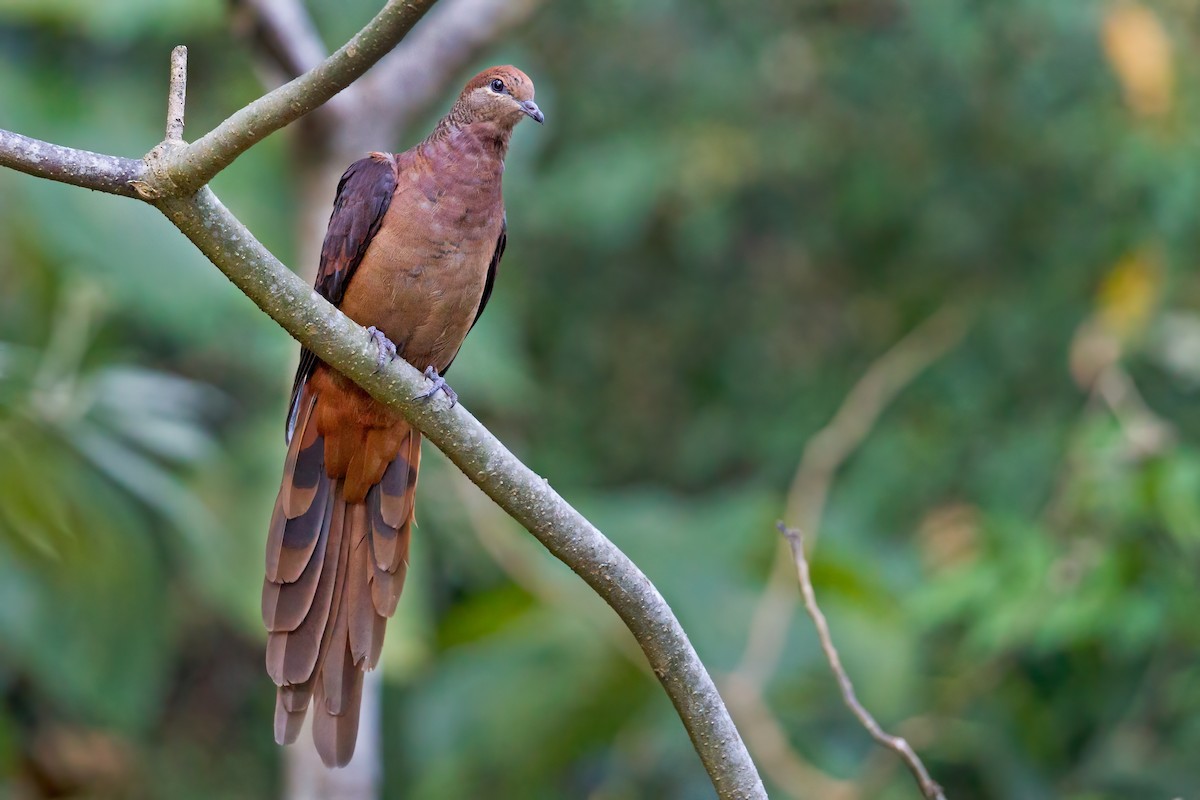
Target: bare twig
<point>284,44</point>
<point>180,171</point>
<point>823,455</point>
<point>346,346</point>
<point>177,94</point>
<point>900,746</point>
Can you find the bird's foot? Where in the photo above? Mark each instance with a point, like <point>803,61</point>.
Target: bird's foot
<point>387,350</point>
<point>439,384</point>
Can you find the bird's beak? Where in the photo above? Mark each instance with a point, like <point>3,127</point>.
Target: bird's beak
<point>530,108</point>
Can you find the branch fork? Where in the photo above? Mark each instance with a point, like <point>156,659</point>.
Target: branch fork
<point>158,182</point>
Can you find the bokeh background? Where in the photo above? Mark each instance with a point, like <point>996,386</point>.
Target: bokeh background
<point>918,276</point>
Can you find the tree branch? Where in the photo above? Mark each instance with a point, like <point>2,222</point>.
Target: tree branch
<point>344,345</point>
<point>899,745</point>
<point>522,563</point>
<point>84,168</point>
<point>179,171</point>
<point>185,170</point>
<point>177,94</point>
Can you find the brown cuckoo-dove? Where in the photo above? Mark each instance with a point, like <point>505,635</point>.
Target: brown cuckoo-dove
<point>411,250</point>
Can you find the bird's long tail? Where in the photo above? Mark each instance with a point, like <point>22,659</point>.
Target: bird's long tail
<point>337,554</point>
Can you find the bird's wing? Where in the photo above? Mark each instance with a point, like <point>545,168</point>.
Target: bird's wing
<point>492,269</point>
<point>489,282</point>
<point>363,196</point>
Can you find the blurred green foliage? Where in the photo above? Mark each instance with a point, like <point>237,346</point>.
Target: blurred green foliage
<point>733,210</point>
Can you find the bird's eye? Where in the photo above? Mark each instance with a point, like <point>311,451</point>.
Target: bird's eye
<point>498,86</point>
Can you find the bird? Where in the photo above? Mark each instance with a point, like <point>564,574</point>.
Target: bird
<point>412,250</point>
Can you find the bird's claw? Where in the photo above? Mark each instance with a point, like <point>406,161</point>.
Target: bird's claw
<point>439,384</point>
<point>387,350</point>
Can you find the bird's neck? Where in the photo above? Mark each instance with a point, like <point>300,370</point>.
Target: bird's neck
<point>490,136</point>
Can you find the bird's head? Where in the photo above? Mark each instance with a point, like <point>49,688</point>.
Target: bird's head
<point>501,95</point>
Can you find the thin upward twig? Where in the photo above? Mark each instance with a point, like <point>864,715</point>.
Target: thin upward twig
<point>177,94</point>
<point>898,744</point>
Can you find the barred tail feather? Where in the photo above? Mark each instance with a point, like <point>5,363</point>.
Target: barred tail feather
<point>334,572</point>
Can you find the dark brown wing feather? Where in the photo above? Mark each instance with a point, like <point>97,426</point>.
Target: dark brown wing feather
<point>493,268</point>
<point>363,196</point>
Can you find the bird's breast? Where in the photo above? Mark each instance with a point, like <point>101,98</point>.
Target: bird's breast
<point>422,277</point>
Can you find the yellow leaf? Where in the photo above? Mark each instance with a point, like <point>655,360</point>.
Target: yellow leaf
<point>1139,52</point>
<point>1129,293</point>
